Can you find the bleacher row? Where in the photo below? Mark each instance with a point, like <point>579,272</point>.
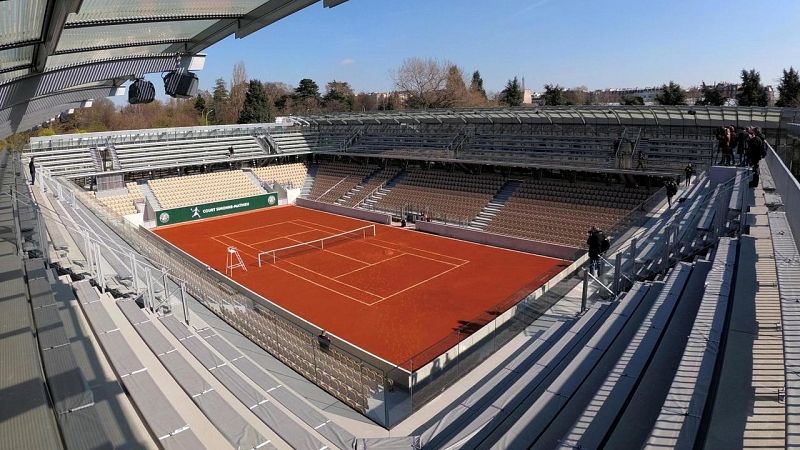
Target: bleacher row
<point>566,147</point>
<point>204,188</point>
<point>562,146</point>
<point>458,198</point>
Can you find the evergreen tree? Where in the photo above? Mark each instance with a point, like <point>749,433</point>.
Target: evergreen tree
<point>512,94</point>
<point>671,94</point>
<point>711,96</point>
<point>752,92</point>
<point>200,104</point>
<point>632,100</point>
<point>257,108</point>
<point>219,100</point>
<point>554,95</point>
<point>789,89</point>
<point>340,96</point>
<point>476,87</point>
<point>307,89</point>
<point>455,90</point>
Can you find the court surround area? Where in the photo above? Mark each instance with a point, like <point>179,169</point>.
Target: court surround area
<point>392,292</point>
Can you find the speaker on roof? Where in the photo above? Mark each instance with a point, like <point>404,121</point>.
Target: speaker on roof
<point>180,84</point>
<point>141,91</point>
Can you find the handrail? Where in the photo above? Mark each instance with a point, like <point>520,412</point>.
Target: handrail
<point>331,188</point>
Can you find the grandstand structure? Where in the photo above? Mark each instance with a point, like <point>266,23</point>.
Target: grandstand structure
<point>113,337</point>
<point>643,343</point>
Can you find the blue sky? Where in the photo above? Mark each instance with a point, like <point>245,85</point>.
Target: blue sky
<point>596,43</point>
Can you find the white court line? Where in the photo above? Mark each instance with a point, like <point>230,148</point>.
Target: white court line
<point>262,226</point>
<point>371,242</point>
<point>323,286</point>
<point>228,245</point>
<point>313,282</point>
<point>370,265</point>
<point>288,236</point>
<point>421,282</point>
<point>330,251</point>
<point>381,299</point>
<point>332,279</point>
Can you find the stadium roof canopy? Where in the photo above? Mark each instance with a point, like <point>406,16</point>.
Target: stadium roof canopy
<point>57,54</point>
<point>703,116</point>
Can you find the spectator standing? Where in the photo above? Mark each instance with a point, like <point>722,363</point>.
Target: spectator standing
<point>32,168</point>
<point>642,157</point>
<point>689,171</point>
<point>741,146</point>
<point>595,244</point>
<point>672,189</point>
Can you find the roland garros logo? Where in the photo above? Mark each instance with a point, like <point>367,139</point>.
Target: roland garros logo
<point>271,200</point>
<point>164,217</point>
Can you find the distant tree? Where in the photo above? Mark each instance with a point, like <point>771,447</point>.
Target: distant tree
<point>789,89</point>
<point>512,94</point>
<point>239,86</point>
<point>554,95</point>
<point>307,88</point>
<point>456,93</point>
<point>632,100</point>
<point>200,104</point>
<point>423,82</point>
<point>339,97</point>
<point>577,96</point>
<point>306,97</point>
<point>257,108</point>
<point>711,96</point>
<point>671,94</point>
<point>365,102</point>
<point>219,100</point>
<point>751,91</point>
<point>476,89</point>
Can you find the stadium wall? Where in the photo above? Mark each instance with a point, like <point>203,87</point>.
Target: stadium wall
<point>789,189</point>
<point>512,243</point>
<point>371,216</point>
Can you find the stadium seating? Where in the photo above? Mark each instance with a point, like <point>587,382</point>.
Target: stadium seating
<point>205,188</point>
<point>334,179</point>
<point>291,176</point>
<point>581,151</point>
<point>126,203</point>
<point>360,192</point>
<point>449,196</point>
<point>537,210</point>
<point>150,155</point>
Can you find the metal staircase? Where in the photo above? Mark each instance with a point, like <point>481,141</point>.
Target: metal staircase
<point>494,206</point>
<point>357,188</point>
<point>310,176</point>
<point>376,195</point>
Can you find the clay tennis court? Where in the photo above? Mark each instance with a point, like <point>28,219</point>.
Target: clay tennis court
<point>392,292</point>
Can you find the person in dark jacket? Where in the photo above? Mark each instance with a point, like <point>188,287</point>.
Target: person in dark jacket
<point>672,189</point>
<point>32,167</point>
<point>689,171</point>
<point>595,244</point>
<point>756,150</point>
<point>741,146</point>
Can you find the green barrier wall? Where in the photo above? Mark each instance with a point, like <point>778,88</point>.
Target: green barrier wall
<point>198,212</point>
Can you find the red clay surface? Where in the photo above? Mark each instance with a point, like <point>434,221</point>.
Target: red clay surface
<point>398,294</point>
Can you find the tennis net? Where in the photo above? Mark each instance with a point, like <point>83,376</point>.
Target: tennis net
<point>318,244</point>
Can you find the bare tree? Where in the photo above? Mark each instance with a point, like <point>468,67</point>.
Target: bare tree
<point>239,85</point>
<point>423,81</point>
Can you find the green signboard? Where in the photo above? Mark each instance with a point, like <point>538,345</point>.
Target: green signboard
<point>198,212</point>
